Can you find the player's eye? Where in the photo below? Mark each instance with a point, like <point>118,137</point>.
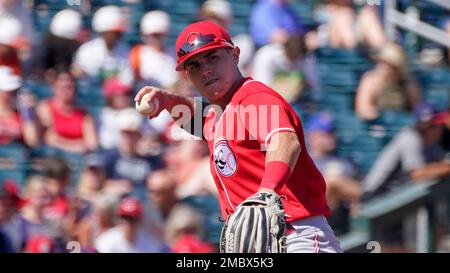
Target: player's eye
<point>192,66</point>
<point>213,58</point>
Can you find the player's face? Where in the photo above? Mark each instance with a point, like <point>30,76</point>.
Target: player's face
<point>214,72</point>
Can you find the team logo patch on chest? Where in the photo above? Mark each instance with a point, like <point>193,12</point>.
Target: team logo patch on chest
<point>224,159</point>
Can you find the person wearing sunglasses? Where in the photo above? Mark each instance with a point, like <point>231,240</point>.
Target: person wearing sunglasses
<point>256,140</point>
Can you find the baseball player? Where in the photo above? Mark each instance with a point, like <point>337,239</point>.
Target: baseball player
<point>264,162</point>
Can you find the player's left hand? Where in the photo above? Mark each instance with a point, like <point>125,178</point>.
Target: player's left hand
<point>257,225</point>
<point>263,198</point>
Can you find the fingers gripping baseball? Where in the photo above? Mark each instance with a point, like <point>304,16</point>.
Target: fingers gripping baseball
<point>150,101</point>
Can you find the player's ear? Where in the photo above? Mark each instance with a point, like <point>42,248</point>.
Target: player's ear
<point>186,74</point>
<point>235,52</point>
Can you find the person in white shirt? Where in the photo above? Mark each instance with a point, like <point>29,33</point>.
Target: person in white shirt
<point>221,12</point>
<point>106,55</point>
<point>286,67</point>
<point>118,97</point>
<point>15,9</point>
<point>128,236</point>
<point>151,61</point>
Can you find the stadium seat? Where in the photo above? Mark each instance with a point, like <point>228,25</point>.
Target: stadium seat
<point>337,102</point>
<point>13,160</point>
<point>208,206</point>
<point>40,89</point>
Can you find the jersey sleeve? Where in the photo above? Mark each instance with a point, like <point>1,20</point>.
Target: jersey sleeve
<point>264,115</point>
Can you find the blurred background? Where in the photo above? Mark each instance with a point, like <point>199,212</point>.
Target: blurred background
<point>82,171</point>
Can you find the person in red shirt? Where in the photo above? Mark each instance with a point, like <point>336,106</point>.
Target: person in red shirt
<point>58,174</point>
<point>17,116</point>
<point>67,127</point>
<point>254,136</point>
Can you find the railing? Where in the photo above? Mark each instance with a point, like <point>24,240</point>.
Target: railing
<point>410,21</point>
<point>414,204</point>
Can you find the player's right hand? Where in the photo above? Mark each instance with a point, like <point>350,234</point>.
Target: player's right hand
<point>156,95</point>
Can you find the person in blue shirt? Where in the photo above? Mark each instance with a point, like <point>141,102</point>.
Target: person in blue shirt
<point>273,21</point>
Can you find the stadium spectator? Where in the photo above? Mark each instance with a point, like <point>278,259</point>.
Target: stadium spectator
<point>86,226</point>
<point>388,86</point>
<point>40,244</point>
<point>287,67</point>
<point>23,40</point>
<point>92,178</point>
<point>118,97</point>
<point>221,12</point>
<point>123,164</point>
<point>161,186</point>
<point>9,219</point>
<point>343,190</point>
<point>184,231</point>
<point>67,127</point>
<point>58,174</point>
<point>17,122</point>
<point>339,173</point>
<point>106,55</point>
<point>189,160</point>
<point>33,221</point>
<point>273,21</point>
<point>84,204</point>
<point>342,26</point>
<point>59,44</point>
<point>128,236</point>
<point>10,43</point>
<point>218,11</point>
<point>414,153</point>
<point>151,61</point>
<point>15,9</point>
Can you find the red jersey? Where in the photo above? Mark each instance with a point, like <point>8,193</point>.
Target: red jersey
<point>238,163</point>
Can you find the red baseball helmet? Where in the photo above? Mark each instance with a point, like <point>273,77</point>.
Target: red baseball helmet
<point>199,37</point>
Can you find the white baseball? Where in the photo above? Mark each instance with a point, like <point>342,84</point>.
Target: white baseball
<point>144,107</point>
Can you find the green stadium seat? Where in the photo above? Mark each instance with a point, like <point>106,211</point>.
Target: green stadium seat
<point>40,89</point>
<point>337,101</point>
<point>13,163</point>
<point>341,56</point>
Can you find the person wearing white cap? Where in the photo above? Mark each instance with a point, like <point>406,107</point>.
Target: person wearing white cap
<point>150,61</point>
<point>16,125</point>
<point>61,43</point>
<point>287,67</point>
<point>123,164</point>
<point>15,9</point>
<point>106,55</point>
<point>221,12</point>
<point>20,35</point>
<point>10,42</point>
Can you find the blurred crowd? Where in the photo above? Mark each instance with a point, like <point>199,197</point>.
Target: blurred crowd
<point>99,177</point>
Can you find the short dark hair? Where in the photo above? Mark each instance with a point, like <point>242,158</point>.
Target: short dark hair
<point>56,168</point>
<point>295,46</point>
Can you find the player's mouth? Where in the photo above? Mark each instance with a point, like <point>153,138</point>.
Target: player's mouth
<point>210,82</point>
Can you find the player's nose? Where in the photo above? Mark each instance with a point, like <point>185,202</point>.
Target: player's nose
<point>206,73</point>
